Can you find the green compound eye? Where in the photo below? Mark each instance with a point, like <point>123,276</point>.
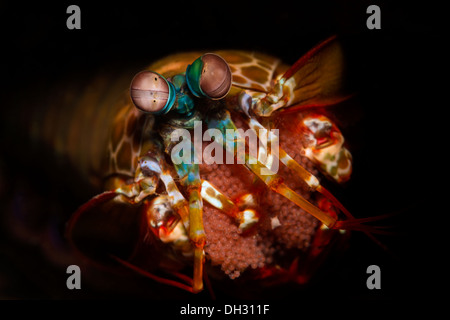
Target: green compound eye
<point>209,76</point>
<point>152,93</point>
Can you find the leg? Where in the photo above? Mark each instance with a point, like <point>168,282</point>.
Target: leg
<point>190,211</point>
<point>186,282</point>
<point>153,162</point>
<point>151,168</point>
<point>301,172</point>
<point>275,183</point>
<point>187,287</point>
<point>316,79</point>
<point>189,175</point>
<point>311,180</point>
<point>243,214</point>
<point>272,180</point>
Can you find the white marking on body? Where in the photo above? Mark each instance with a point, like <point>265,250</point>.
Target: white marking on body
<point>249,219</point>
<point>175,193</point>
<point>151,165</point>
<point>275,222</point>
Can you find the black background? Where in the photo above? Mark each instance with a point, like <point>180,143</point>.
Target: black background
<point>392,135</point>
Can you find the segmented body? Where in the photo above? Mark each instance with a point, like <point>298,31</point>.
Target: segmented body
<point>109,159</point>
<point>96,127</point>
<point>133,132</point>
<point>126,143</point>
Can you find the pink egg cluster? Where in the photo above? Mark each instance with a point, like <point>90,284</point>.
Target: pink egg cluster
<point>282,224</point>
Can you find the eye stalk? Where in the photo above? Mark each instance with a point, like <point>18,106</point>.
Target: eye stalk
<point>209,76</point>
<point>152,93</point>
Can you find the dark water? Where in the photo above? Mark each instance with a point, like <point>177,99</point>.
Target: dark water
<point>391,125</point>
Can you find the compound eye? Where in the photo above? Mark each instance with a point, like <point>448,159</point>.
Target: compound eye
<point>215,80</point>
<point>209,76</point>
<point>151,92</point>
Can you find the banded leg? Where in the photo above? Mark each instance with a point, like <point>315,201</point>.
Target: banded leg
<point>188,172</point>
<point>272,180</point>
<point>288,161</point>
<point>275,183</point>
<point>151,168</point>
<point>153,162</point>
<point>242,213</point>
<point>95,203</point>
<point>326,148</point>
<point>190,177</point>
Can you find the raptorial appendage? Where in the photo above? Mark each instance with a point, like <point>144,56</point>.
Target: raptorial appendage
<point>245,214</point>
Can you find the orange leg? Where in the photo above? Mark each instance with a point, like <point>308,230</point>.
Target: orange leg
<point>197,235</point>
<point>242,213</point>
<point>289,162</point>
<point>275,183</point>
<point>190,178</point>
<point>185,282</point>
<point>188,284</point>
<point>314,184</point>
<point>191,212</point>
